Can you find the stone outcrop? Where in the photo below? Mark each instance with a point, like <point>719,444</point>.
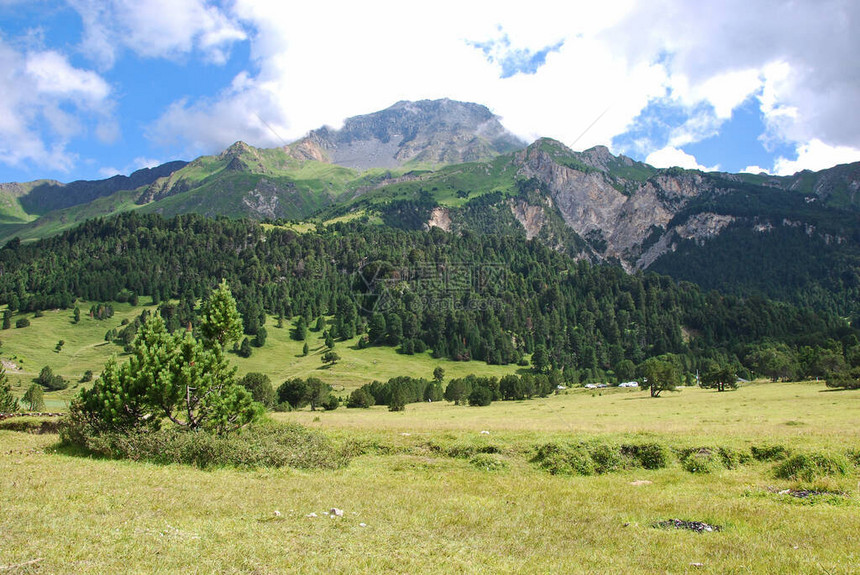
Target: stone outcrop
<point>615,223</point>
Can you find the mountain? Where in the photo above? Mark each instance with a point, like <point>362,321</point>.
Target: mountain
<point>42,196</point>
<point>795,238</point>
<point>452,165</point>
<point>425,132</point>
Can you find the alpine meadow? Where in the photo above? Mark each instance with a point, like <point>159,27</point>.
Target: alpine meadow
<point>417,343</point>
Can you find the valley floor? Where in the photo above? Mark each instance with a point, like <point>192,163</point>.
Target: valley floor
<point>415,499</point>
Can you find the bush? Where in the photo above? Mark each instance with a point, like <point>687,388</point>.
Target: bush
<point>22,322</point>
<point>564,459</point>
<point>244,348</point>
<point>50,381</point>
<point>488,462</point>
<point>34,398</point>
<point>700,460</point>
<point>360,398</point>
<point>481,397</point>
<point>606,458</point>
<point>263,446</point>
<point>809,466</point>
<point>732,458</point>
<point>648,455</point>
<point>330,403</point>
<point>769,452</point>
<point>293,392</point>
<point>260,387</point>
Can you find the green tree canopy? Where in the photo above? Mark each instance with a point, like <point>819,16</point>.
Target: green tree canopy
<point>8,402</point>
<point>34,398</point>
<point>661,374</point>
<point>260,387</point>
<point>220,321</point>
<point>719,376</point>
<point>172,376</point>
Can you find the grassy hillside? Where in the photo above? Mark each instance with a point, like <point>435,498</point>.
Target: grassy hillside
<point>31,348</point>
<point>427,492</point>
<point>65,219</point>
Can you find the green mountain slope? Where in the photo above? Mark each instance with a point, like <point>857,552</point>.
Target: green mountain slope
<point>716,229</point>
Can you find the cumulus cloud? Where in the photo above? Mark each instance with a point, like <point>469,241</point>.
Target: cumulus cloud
<point>156,28</point>
<point>816,155</point>
<point>375,53</point>
<point>573,71</point>
<point>670,156</point>
<point>55,76</point>
<point>796,57</point>
<point>581,72</point>
<point>44,103</point>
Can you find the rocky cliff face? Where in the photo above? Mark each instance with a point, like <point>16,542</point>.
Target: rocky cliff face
<point>616,223</point>
<point>431,131</point>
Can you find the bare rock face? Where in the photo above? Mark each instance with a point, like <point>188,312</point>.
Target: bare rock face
<point>432,131</point>
<point>616,224</point>
<point>532,218</point>
<point>440,218</point>
<point>263,200</point>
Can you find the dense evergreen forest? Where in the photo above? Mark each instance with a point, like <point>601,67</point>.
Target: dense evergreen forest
<point>465,296</point>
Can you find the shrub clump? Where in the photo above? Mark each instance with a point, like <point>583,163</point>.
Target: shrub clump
<point>608,458</point>
<point>769,452</point>
<point>564,459</point>
<point>700,460</point>
<point>648,455</point>
<point>488,462</point>
<point>732,458</point>
<point>809,466</point>
<point>261,446</point>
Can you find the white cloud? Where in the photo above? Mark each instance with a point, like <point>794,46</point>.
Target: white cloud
<point>614,60</point>
<point>670,156</point>
<point>800,63</point>
<point>137,164</point>
<point>108,172</point>
<point>816,155</point>
<point>45,102</point>
<point>141,162</point>
<point>55,76</point>
<point>315,63</point>
<point>156,28</point>
<point>375,53</point>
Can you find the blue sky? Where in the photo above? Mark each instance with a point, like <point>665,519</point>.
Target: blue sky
<point>98,87</point>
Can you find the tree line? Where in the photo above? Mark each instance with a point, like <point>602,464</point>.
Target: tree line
<point>492,298</point>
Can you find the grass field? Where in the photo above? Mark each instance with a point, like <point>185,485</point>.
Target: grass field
<point>414,499</point>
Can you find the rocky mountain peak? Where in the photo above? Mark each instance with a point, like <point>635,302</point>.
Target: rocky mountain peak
<point>432,131</point>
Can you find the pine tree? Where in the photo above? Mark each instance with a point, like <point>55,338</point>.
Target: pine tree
<point>34,398</point>
<point>220,321</point>
<point>172,376</point>
<point>8,402</point>
<point>300,329</point>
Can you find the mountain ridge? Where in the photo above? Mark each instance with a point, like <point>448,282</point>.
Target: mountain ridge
<point>591,204</point>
